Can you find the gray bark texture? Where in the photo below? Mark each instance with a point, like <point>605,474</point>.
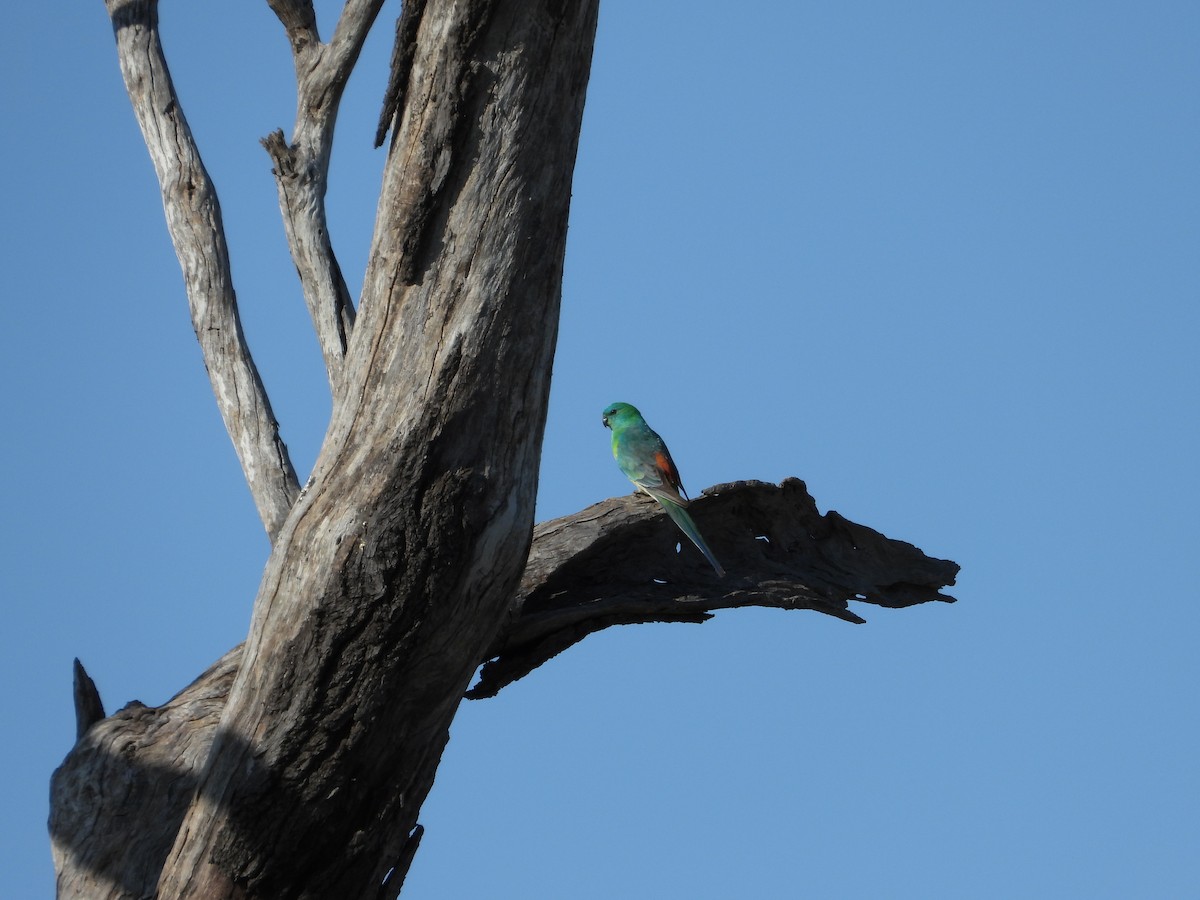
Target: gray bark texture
<point>296,766</point>
<point>301,168</point>
<point>194,222</point>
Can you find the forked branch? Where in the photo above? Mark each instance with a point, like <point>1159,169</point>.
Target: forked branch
<point>301,167</point>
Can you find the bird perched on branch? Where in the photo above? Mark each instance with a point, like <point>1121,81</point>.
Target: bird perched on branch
<point>644,458</point>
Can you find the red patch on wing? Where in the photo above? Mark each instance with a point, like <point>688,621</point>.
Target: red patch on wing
<point>666,466</point>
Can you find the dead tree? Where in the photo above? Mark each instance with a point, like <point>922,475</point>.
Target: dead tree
<point>296,766</point>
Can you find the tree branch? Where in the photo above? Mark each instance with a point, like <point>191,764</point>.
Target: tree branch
<point>89,709</point>
<point>623,562</point>
<point>614,563</point>
<point>299,20</point>
<point>301,168</point>
<point>194,221</point>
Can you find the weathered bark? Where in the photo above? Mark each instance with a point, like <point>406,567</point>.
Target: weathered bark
<point>301,168</point>
<point>194,222</point>
<point>614,563</point>
<point>404,48</point>
<point>118,798</point>
<point>623,562</point>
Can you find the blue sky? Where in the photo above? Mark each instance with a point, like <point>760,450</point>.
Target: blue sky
<point>940,260</point>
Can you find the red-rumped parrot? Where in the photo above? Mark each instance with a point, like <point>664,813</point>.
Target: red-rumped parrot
<point>644,458</point>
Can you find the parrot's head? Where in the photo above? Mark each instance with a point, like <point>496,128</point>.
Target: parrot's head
<point>618,414</point>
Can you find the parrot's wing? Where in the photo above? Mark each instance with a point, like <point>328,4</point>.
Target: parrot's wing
<point>644,458</point>
<point>658,477</point>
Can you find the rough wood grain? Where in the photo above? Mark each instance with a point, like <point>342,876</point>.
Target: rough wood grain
<point>614,563</point>
<point>118,798</point>
<point>404,47</point>
<point>623,562</point>
<point>301,167</point>
<point>193,216</point>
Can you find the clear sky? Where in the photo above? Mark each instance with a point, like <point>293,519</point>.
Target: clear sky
<point>941,260</point>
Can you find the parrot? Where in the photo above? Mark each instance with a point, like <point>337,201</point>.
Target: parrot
<point>644,458</point>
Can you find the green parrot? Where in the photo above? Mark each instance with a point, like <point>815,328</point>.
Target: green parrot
<point>644,458</point>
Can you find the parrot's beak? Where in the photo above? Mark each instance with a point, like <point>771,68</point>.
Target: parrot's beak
<point>604,419</point>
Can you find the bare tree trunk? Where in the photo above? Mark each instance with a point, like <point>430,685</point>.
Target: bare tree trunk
<point>394,570</point>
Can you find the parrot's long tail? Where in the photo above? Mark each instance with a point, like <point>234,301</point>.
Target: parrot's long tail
<point>688,527</point>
